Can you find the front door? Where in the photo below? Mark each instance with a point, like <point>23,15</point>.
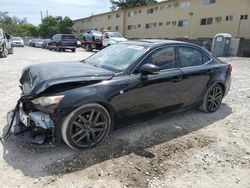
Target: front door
<point>155,93</point>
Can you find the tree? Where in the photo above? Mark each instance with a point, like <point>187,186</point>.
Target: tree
<point>52,25</point>
<point>10,24</point>
<point>130,3</point>
<point>27,30</point>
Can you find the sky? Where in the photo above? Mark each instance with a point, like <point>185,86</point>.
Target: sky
<point>75,9</point>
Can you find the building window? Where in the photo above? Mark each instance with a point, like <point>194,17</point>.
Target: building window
<point>139,11</point>
<point>150,25</point>
<point>150,11</point>
<point>132,13</point>
<point>118,15</point>
<point>229,18</point>
<point>168,23</point>
<point>185,4</point>
<point>109,17</point>
<point>244,17</point>
<point>139,25</point>
<point>117,28</point>
<point>160,23</point>
<point>208,2</point>
<point>130,27</point>
<point>110,28</point>
<point>182,23</point>
<point>169,6</point>
<point>206,21</point>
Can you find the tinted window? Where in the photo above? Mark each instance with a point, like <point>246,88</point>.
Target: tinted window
<point>68,37</point>
<point>189,57</point>
<point>163,57</point>
<point>205,58</point>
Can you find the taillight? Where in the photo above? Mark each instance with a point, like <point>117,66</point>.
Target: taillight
<point>229,70</point>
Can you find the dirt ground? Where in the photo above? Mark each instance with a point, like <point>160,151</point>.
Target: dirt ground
<point>188,149</point>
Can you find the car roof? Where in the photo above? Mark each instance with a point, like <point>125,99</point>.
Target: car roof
<point>156,42</point>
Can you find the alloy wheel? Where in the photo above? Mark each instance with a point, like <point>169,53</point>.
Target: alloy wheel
<point>89,128</point>
<point>214,98</point>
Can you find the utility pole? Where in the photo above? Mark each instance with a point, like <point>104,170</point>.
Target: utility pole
<point>41,16</point>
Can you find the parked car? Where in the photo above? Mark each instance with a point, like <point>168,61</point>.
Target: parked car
<point>45,44</point>
<point>110,38</point>
<point>17,41</point>
<point>61,42</point>
<point>38,43</point>
<point>80,102</point>
<point>92,35</point>
<point>6,46</point>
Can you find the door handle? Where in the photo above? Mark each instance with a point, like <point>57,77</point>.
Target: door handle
<point>177,79</point>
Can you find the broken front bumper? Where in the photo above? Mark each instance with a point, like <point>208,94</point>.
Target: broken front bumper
<point>34,127</point>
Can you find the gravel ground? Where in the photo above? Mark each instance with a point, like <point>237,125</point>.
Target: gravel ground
<point>189,149</point>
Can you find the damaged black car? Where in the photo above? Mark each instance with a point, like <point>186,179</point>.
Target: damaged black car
<point>78,103</point>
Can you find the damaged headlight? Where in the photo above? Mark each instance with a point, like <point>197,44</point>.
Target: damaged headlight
<point>47,101</point>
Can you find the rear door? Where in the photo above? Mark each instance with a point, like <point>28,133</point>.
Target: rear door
<point>159,92</point>
<point>196,70</point>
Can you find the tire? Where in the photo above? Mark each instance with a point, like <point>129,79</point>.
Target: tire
<point>73,50</point>
<point>11,50</point>
<point>80,130</point>
<point>4,53</point>
<point>89,48</point>
<point>50,48</point>
<point>213,99</point>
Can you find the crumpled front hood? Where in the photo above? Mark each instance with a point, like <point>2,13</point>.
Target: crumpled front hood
<point>37,78</point>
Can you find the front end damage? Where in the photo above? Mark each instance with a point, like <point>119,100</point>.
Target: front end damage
<point>30,123</point>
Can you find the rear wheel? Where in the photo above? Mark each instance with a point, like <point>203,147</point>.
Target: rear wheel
<point>213,99</point>
<point>11,50</point>
<point>73,50</point>
<point>86,126</point>
<point>4,53</point>
<point>89,48</point>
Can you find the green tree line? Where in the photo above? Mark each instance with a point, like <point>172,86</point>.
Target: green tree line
<point>21,27</point>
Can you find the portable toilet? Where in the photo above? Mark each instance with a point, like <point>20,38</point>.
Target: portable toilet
<point>221,45</point>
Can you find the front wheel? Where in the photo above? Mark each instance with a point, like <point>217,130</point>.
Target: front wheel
<point>11,50</point>
<point>4,53</point>
<point>86,126</point>
<point>213,99</point>
<point>73,50</point>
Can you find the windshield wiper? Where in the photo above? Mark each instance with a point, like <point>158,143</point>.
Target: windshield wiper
<point>83,61</point>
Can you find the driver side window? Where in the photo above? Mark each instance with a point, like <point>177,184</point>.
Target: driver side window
<point>163,57</point>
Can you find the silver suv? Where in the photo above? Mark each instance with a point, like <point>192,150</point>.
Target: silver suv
<point>5,44</point>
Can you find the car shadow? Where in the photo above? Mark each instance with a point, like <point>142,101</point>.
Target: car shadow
<point>42,160</point>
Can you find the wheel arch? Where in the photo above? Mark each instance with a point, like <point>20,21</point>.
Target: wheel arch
<point>60,117</point>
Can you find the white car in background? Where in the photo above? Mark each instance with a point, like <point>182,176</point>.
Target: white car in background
<point>17,41</point>
<point>111,37</point>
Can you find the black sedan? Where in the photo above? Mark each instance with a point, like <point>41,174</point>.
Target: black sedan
<point>80,102</point>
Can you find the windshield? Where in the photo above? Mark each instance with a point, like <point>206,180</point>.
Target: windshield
<point>115,34</point>
<point>117,57</point>
<point>16,38</point>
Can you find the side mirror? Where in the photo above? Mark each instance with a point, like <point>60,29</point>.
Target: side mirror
<point>149,69</point>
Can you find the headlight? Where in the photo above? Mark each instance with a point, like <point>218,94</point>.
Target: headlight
<point>46,101</point>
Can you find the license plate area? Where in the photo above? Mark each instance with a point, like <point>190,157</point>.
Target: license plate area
<point>24,118</point>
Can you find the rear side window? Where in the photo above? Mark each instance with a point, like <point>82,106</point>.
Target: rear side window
<point>68,37</point>
<point>163,57</point>
<point>205,58</point>
<point>190,57</point>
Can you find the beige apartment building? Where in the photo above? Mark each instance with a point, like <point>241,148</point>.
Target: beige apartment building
<point>172,19</point>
